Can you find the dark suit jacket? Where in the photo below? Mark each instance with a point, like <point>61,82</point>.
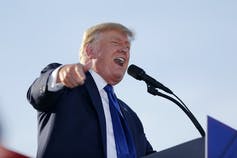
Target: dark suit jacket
<point>71,122</point>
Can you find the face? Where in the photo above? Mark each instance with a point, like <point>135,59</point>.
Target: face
<point>110,54</point>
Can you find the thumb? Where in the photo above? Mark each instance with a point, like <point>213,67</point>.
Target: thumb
<point>87,66</point>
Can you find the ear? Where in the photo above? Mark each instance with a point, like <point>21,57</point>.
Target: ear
<point>90,51</point>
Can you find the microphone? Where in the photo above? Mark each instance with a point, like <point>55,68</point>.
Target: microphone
<point>140,74</point>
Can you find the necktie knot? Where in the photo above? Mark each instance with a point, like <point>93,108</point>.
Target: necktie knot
<point>112,98</point>
<point>109,89</point>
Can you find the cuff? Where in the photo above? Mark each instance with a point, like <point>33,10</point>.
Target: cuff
<point>52,85</point>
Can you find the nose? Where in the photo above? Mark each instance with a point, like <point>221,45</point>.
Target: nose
<point>124,50</point>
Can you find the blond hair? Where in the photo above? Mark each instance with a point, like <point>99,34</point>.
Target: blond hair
<point>91,33</point>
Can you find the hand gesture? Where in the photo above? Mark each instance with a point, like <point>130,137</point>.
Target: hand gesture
<point>72,75</point>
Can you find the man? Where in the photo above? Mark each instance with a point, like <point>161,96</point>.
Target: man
<point>77,114</point>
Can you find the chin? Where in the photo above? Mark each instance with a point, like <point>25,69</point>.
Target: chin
<point>116,79</point>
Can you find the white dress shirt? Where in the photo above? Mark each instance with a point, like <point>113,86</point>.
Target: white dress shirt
<point>100,83</point>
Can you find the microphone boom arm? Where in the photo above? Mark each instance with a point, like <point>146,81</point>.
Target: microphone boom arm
<point>152,90</point>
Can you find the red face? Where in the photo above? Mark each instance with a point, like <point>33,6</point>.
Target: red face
<point>111,52</point>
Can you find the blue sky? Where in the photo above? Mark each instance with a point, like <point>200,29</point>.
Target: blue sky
<point>190,46</point>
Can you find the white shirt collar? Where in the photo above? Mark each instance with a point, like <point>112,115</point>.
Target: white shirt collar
<point>99,81</point>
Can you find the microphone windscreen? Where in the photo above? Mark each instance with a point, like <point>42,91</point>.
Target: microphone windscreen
<point>135,72</point>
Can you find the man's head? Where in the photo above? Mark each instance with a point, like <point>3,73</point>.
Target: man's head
<point>107,45</point>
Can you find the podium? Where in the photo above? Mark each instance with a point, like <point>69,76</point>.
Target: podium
<point>191,149</point>
<point>221,143</point>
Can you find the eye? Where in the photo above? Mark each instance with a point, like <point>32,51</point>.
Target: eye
<point>128,47</point>
<point>115,43</point>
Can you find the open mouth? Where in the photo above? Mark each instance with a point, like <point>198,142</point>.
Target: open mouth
<point>120,61</point>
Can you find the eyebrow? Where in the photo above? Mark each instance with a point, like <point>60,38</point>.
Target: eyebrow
<point>118,39</point>
<point>115,38</point>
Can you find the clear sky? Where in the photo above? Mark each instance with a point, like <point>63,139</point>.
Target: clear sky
<point>189,46</point>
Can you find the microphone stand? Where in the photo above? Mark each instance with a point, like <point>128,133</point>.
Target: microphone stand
<point>152,90</point>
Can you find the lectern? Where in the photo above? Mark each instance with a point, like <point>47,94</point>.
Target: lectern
<point>221,143</point>
<point>191,149</point>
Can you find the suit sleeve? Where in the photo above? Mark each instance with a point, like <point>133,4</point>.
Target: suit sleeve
<point>38,95</point>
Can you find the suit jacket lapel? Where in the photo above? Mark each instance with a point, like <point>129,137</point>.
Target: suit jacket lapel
<point>124,111</point>
<point>97,103</point>
<point>128,118</point>
<point>126,115</point>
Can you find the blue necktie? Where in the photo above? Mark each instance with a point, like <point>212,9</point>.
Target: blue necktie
<point>123,140</point>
